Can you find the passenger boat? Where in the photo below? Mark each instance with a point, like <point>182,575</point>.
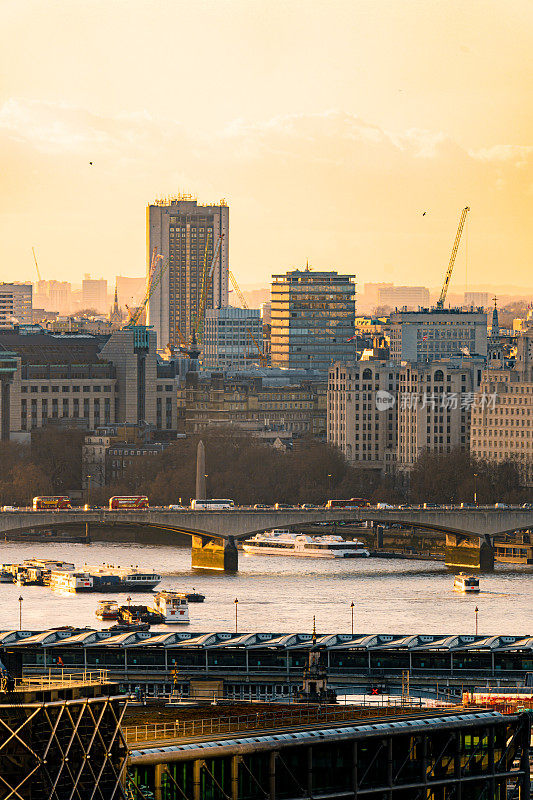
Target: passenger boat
<point>466,583</point>
<point>173,606</point>
<point>5,576</point>
<point>284,543</point>
<point>118,579</point>
<point>104,579</point>
<point>107,610</point>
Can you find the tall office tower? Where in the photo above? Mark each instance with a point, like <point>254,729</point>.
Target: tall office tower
<point>313,318</point>
<point>436,333</point>
<point>94,294</point>
<point>15,304</point>
<point>186,235</point>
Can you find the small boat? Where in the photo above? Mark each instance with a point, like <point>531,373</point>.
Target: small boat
<point>133,615</point>
<point>122,627</point>
<point>107,609</point>
<point>32,576</point>
<point>194,597</point>
<point>466,583</point>
<point>173,606</point>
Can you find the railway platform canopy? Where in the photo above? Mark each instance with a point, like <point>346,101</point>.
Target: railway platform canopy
<point>274,654</point>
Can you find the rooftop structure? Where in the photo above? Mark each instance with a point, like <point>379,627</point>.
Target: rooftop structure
<point>430,334</point>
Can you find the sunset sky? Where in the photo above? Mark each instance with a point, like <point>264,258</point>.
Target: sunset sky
<point>329,127</point>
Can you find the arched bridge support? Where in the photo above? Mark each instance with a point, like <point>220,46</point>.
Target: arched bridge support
<point>462,552</point>
<point>214,553</point>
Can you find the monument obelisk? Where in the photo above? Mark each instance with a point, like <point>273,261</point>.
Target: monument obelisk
<point>200,472</point>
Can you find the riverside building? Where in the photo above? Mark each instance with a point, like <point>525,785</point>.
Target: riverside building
<point>383,415</point>
<point>186,236</point>
<point>362,413</point>
<point>312,319</point>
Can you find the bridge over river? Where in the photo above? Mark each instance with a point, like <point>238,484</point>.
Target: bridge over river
<point>470,532</point>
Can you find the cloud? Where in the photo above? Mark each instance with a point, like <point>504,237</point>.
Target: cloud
<point>330,186</point>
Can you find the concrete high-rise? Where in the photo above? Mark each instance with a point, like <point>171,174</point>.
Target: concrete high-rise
<point>313,317</point>
<point>15,304</point>
<point>403,297</point>
<point>94,294</point>
<point>186,236</point>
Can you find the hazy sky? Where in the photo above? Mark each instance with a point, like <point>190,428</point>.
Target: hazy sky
<point>329,127</point>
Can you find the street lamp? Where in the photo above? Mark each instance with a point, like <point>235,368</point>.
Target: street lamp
<point>20,612</point>
<point>475,488</point>
<point>352,607</point>
<point>88,491</point>
<point>236,614</point>
<point>205,478</point>
<point>330,484</point>
<point>476,611</point>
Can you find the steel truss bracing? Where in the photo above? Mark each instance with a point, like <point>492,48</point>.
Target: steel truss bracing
<point>467,759</point>
<point>62,750</point>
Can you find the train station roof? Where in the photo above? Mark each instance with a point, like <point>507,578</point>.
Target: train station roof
<point>89,638</point>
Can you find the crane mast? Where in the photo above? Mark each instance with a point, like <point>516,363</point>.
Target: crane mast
<point>455,248</point>
<point>36,264</point>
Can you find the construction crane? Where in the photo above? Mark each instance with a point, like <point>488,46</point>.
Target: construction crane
<point>444,290</point>
<point>36,264</point>
<point>261,355</point>
<point>153,282</point>
<point>237,288</point>
<point>204,287</point>
<point>199,327</point>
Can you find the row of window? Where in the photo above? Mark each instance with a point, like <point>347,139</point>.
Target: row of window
<point>64,389</point>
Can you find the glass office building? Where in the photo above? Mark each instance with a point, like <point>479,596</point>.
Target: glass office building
<point>313,319</point>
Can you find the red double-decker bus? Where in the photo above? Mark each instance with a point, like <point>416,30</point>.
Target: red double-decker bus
<point>137,502</point>
<point>59,501</point>
<point>354,502</point>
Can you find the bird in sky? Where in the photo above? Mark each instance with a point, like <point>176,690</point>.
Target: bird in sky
<point>91,163</point>
<point>423,213</point>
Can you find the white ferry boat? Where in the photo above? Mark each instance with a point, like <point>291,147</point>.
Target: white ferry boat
<point>465,583</point>
<point>282,542</point>
<point>173,606</point>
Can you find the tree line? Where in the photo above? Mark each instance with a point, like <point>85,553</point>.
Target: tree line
<point>248,471</point>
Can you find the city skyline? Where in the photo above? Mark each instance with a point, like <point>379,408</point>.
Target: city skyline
<point>331,155</point>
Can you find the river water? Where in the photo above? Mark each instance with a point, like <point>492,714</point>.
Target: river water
<point>282,594</point>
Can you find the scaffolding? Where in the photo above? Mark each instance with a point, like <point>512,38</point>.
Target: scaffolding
<point>62,749</point>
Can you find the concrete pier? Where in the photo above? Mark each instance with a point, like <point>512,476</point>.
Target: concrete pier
<point>214,553</point>
<point>463,553</point>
